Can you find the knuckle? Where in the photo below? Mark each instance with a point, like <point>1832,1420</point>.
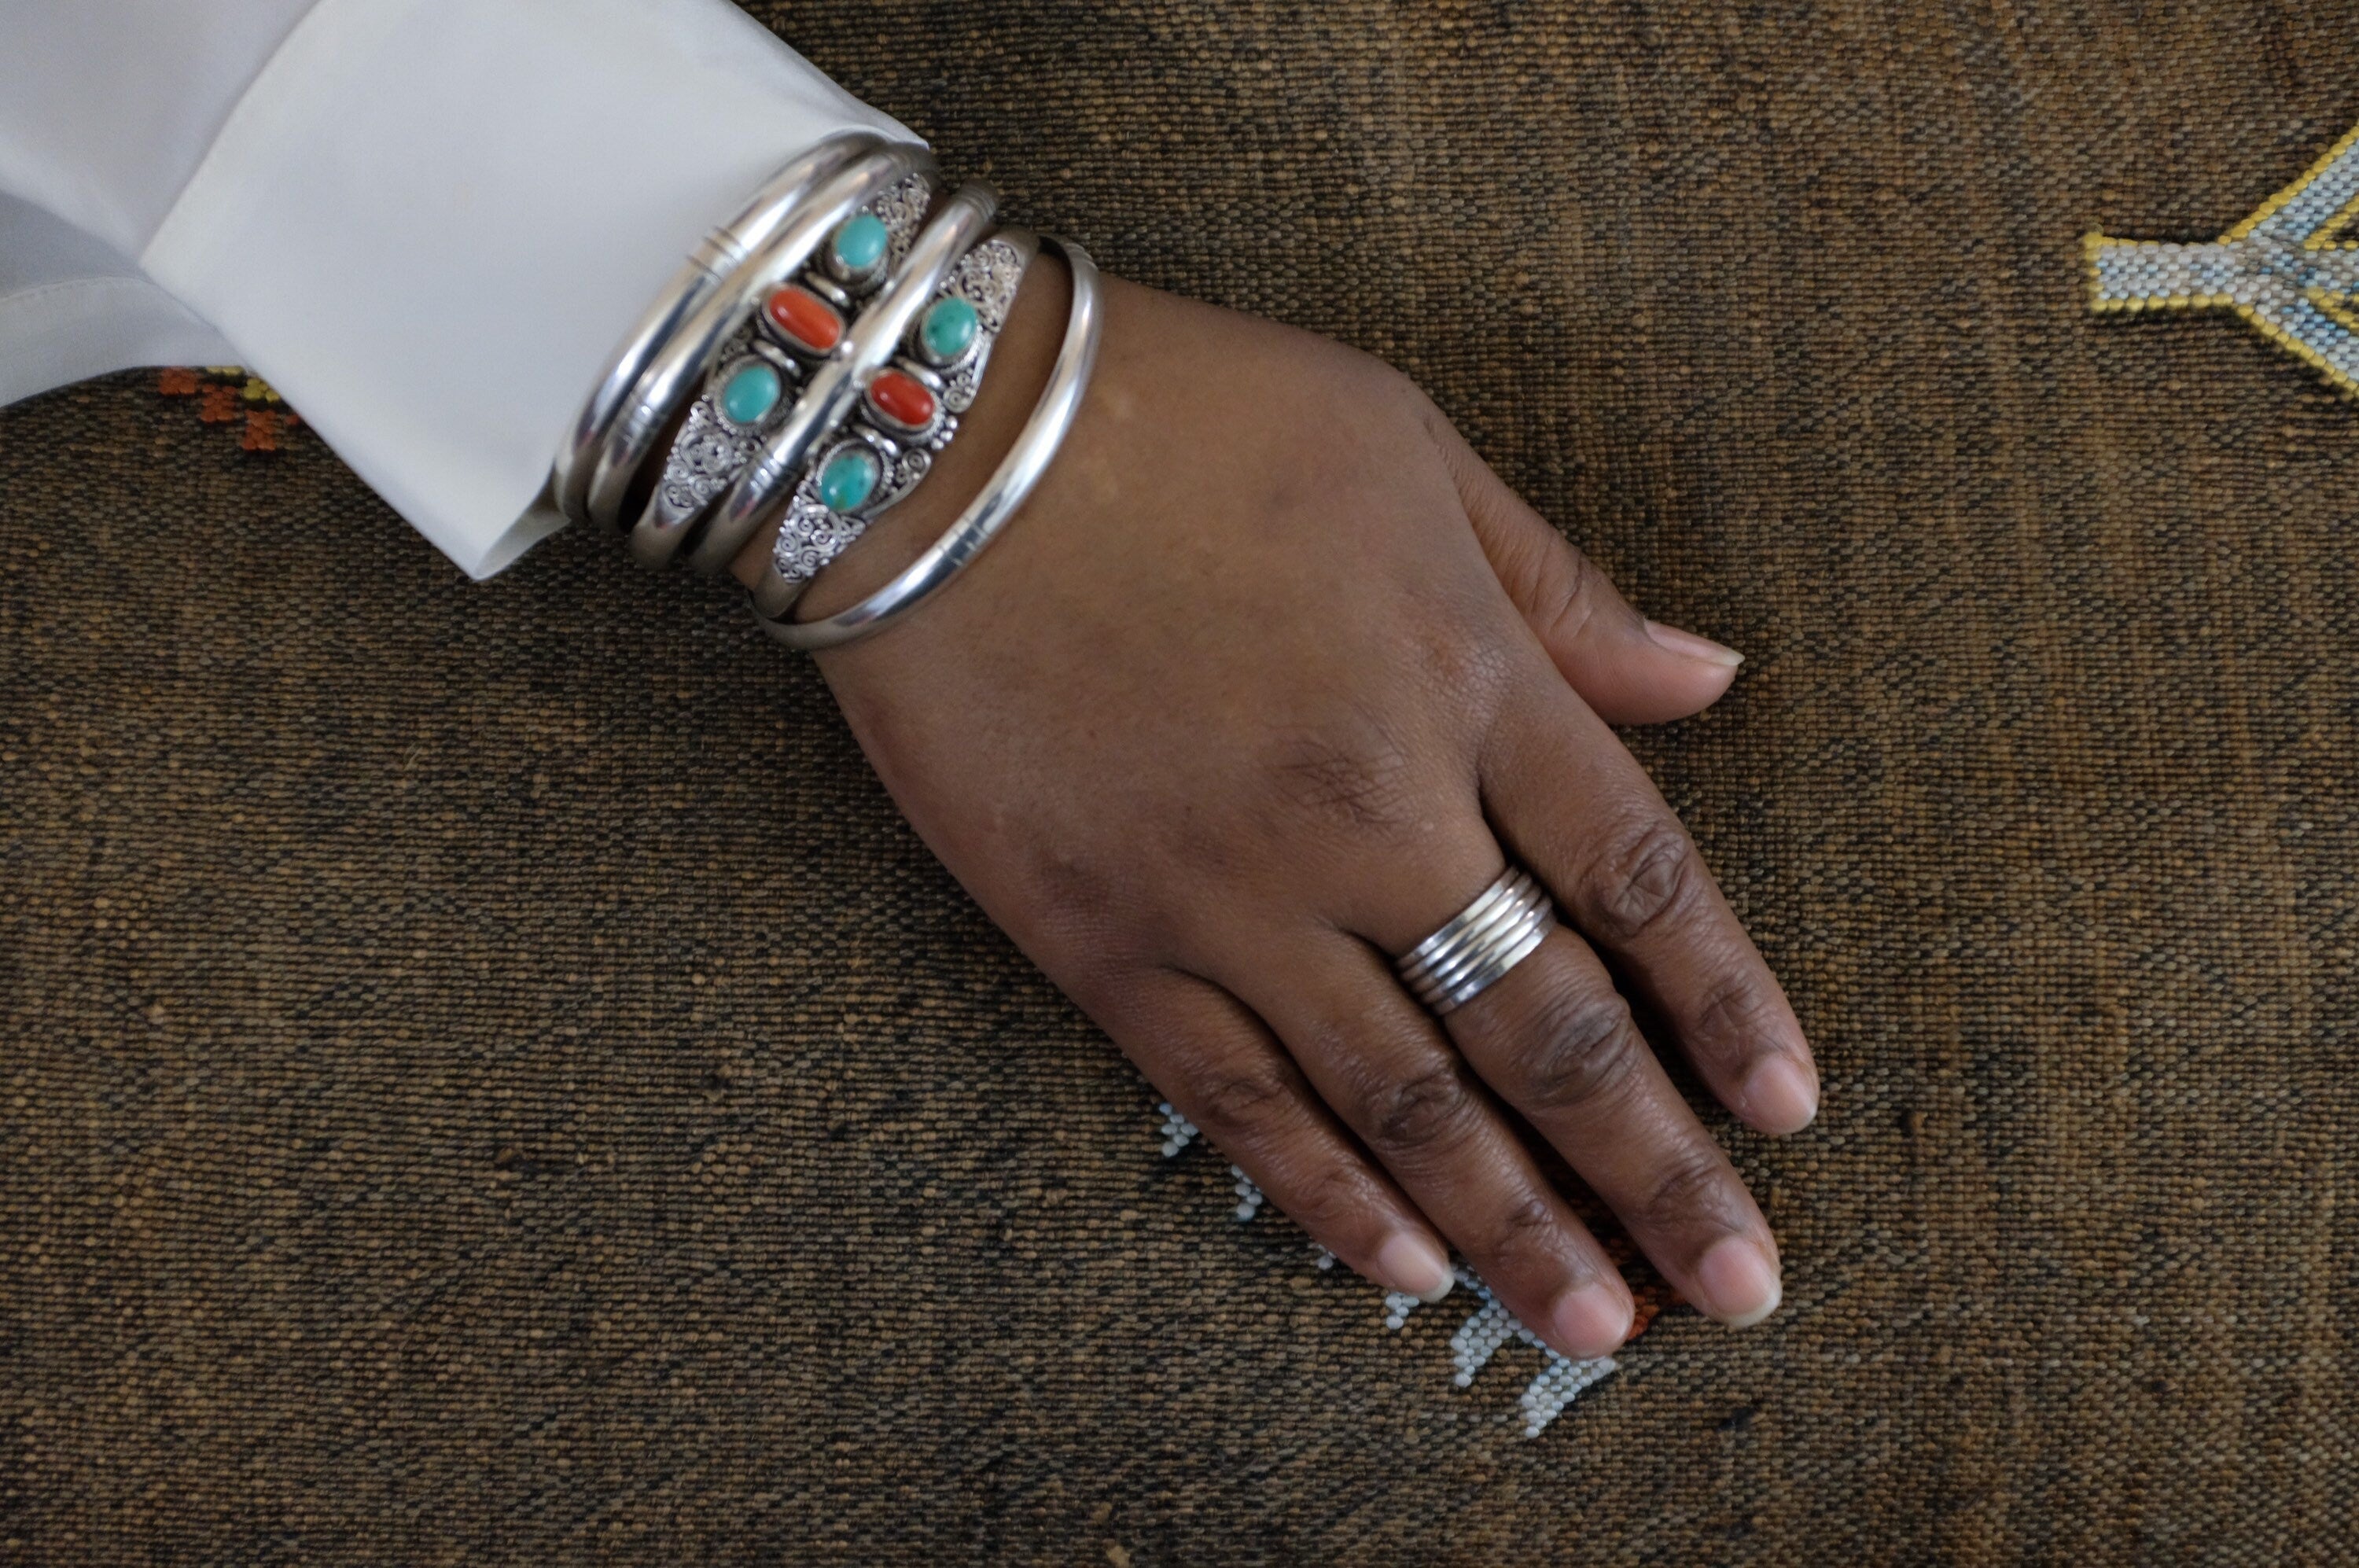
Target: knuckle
<point>1417,1113</point>
<point>1734,1013</point>
<point>1558,584</point>
<point>1073,898</point>
<point>1584,1051</point>
<point>1647,875</point>
<point>1690,1187</point>
<point>1332,1199</point>
<point>1356,775</point>
<point>1525,1225</point>
<point>1467,667</point>
<point>1237,1103</point>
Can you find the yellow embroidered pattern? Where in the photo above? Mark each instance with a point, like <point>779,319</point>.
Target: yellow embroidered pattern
<point>2285,269</point>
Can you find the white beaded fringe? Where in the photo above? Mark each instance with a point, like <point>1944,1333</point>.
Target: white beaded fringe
<point>1480,1337</point>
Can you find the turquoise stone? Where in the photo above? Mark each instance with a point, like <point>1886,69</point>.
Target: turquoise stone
<point>948,329</point>
<point>860,242</point>
<point>749,396</point>
<point>850,478</point>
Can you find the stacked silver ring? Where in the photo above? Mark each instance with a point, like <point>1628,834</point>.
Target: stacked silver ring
<point>1504,926</point>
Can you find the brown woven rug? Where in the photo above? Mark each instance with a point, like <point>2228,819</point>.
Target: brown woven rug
<point>487,1077</point>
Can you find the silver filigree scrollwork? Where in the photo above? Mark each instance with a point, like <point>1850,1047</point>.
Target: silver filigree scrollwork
<point>813,534</point>
<point>714,450</point>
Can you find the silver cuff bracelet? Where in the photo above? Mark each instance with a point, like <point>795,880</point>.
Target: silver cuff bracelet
<point>1008,488</point>
<point>794,324</point>
<point>845,380</point>
<point>677,369</point>
<point>907,413</point>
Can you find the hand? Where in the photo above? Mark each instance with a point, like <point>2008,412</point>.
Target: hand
<point>1267,681</point>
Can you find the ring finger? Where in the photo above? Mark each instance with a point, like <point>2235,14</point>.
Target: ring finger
<point>1555,1039</point>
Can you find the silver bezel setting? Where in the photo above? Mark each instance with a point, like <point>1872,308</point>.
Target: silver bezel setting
<point>786,373</point>
<point>923,355</point>
<point>776,336</point>
<point>892,461</point>
<point>878,418</point>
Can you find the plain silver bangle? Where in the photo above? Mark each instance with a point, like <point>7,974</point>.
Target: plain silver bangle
<point>708,266</point>
<point>1009,487</point>
<point>676,370</point>
<point>762,491</point>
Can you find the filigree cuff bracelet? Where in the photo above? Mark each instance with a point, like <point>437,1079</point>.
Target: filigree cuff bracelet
<point>801,316</point>
<point>1005,492</point>
<point>839,383</point>
<point>907,413</point>
<point>816,353</point>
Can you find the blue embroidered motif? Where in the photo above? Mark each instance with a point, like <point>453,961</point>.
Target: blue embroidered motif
<point>2283,269</point>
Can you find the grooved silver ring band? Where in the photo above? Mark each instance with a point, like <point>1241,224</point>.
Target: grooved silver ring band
<point>1504,926</point>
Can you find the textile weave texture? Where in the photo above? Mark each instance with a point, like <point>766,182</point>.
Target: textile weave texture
<point>486,1076</point>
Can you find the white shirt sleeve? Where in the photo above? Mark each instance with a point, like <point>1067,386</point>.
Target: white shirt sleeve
<point>427,223</point>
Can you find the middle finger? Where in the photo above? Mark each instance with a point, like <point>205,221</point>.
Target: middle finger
<point>1385,1068</point>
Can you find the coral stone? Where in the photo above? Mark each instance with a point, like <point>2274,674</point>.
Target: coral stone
<point>901,400</point>
<point>805,321</point>
<point>751,392</point>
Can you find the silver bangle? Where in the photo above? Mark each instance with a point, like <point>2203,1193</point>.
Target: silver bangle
<point>839,382</point>
<point>1009,486</point>
<point>712,260</point>
<point>677,368</point>
<point>1504,925</point>
<point>793,325</point>
<point>895,452</point>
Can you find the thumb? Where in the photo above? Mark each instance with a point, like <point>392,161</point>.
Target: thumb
<point>1630,669</point>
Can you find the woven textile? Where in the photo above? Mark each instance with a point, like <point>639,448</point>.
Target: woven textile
<point>485,1075</point>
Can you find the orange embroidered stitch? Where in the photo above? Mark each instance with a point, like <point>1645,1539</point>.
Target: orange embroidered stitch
<point>227,394</point>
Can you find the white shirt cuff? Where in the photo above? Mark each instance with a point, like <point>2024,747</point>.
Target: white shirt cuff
<point>427,223</point>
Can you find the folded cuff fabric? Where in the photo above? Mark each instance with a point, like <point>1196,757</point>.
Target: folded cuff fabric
<point>427,221</point>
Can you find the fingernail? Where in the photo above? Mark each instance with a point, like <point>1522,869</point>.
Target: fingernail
<point>1737,1283</point>
<point>1414,1264</point>
<point>1687,645</point>
<point>1781,1096</point>
<point>1591,1320</point>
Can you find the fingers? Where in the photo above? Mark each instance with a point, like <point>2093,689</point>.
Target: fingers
<point>1577,808</point>
<point>1219,1067</point>
<point>1384,1065</point>
<point>1558,1042</point>
<point>1630,669</point>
